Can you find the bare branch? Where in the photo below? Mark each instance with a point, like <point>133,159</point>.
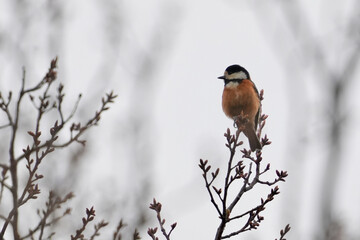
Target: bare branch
<point>247,171</point>
<point>117,234</point>
<point>90,215</point>
<point>156,206</point>
<point>284,231</point>
<point>97,227</point>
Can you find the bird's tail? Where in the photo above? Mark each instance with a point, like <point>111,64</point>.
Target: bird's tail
<point>253,139</point>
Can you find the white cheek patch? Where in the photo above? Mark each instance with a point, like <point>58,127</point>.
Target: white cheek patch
<point>232,85</point>
<point>237,75</point>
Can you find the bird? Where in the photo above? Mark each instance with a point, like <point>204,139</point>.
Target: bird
<point>241,98</point>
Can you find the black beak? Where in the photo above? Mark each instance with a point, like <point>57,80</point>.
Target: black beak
<point>221,77</point>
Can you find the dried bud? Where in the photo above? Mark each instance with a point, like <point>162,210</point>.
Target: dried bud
<point>53,62</point>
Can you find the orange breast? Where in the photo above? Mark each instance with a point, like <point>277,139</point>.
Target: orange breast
<point>240,97</point>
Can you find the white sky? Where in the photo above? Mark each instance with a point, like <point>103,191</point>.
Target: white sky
<point>184,109</point>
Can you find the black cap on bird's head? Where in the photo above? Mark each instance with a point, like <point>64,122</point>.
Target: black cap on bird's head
<point>235,72</point>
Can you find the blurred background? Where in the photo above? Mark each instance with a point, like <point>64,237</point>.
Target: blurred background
<point>162,58</point>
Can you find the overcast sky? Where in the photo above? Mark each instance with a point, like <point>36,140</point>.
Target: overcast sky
<point>163,58</point>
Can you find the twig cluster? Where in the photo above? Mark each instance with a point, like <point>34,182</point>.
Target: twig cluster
<point>117,233</point>
<point>156,206</point>
<point>90,215</point>
<point>283,232</point>
<point>249,171</point>
<point>39,149</point>
<point>53,204</point>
